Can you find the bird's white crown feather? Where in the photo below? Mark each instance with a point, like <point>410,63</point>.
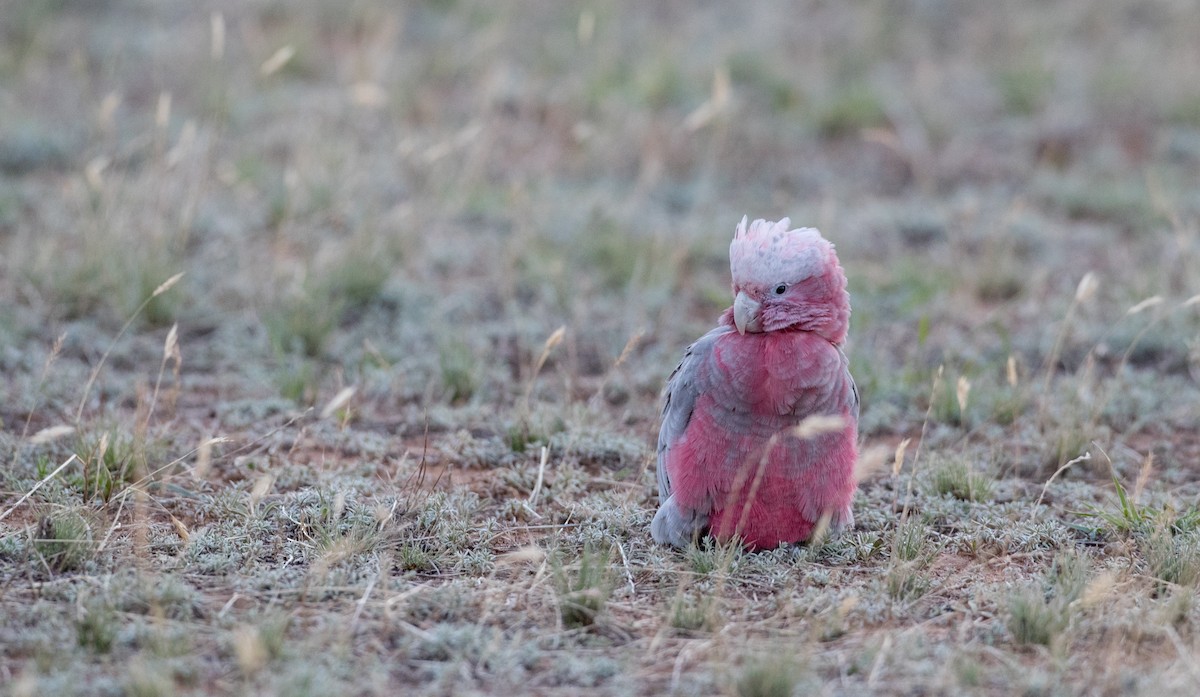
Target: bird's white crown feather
<point>768,253</point>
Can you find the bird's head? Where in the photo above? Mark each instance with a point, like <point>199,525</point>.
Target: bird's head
<point>787,279</point>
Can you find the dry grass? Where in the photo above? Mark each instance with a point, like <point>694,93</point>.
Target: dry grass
<point>392,429</point>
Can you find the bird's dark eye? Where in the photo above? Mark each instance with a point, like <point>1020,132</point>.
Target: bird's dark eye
<point>779,289</point>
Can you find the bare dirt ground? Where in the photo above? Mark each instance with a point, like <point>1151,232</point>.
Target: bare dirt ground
<point>391,429</point>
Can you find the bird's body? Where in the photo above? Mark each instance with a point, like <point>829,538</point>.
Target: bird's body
<point>730,458</point>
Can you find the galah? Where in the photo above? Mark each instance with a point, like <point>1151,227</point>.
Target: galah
<point>760,423</point>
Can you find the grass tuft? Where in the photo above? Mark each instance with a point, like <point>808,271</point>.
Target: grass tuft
<point>584,588</point>
<point>1037,616</point>
<point>852,109</point>
<point>777,676</point>
<point>459,371</point>
<point>65,540</point>
<point>1173,558</point>
<point>952,477</point>
<point>96,626</point>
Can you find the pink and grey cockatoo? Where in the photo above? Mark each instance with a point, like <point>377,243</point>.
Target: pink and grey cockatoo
<point>733,458</point>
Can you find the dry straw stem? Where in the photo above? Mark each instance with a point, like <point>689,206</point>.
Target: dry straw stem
<point>628,572</point>
<point>933,392</point>
<point>552,341</point>
<point>821,529</point>
<point>339,400</point>
<point>630,345</point>
<point>1145,304</point>
<point>537,487</point>
<point>277,60</point>
<point>1112,385</point>
<point>870,462</point>
<point>962,392</point>
<point>1083,292</point>
<point>261,486</point>
<point>55,351</point>
<point>249,649</point>
<point>87,389</point>
<point>1082,458</point>
<point>362,601</point>
<point>1143,477</point>
<point>716,104</point>
<point>898,463</point>
<point>216,22</point>
<point>204,456</point>
<point>170,353</point>
<point>877,665</point>
<point>51,434</point>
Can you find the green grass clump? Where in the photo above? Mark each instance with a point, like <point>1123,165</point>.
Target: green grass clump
<point>955,478</point>
<point>1032,620</point>
<point>303,323</point>
<point>905,582</point>
<point>113,459</point>
<point>776,676</point>
<point>1173,558</point>
<point>584,588</point>
<point>691,612</point>
<point>707,555</point>
<point>850,110</point>
<point>749,69</point>
<point>911,538</point>
<point>65,540</point>
<point>619,255</point>
<point>459,371</point>
<point>298,379</point>
<point>96,626</point>
<point>1024,88</point>
<point>143,679</point>
<point>358,280</point>
<point>1124,516</point>
<point>1037,616</point>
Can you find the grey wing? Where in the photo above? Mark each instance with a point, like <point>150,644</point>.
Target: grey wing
<point>680,399</point>
<point>672,524</point>
<point>844,520</point>
<point>853,386</point>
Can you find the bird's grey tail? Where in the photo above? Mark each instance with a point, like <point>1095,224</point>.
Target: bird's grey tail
<point>672,526</point>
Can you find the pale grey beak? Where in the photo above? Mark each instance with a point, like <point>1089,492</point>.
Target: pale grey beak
<point>745,313</point>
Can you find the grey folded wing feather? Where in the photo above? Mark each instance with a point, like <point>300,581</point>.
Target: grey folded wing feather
<point>672,524</point>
